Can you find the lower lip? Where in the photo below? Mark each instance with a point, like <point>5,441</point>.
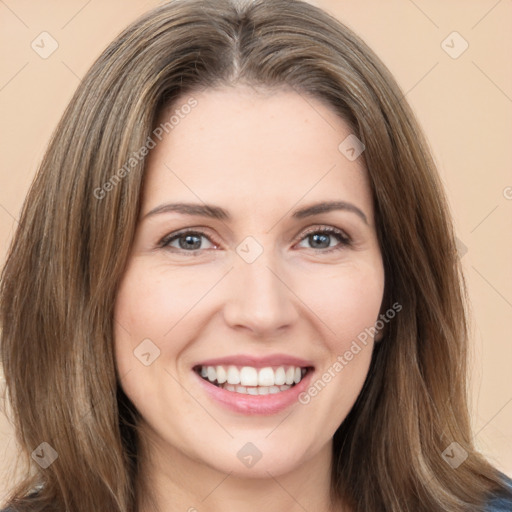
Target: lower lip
<point>256,404</point>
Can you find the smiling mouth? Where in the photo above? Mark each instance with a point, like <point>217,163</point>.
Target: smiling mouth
<point>253,381</point>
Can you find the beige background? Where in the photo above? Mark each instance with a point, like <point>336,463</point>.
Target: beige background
<point>464,105</point>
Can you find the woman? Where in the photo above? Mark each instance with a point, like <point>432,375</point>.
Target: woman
<point>235,283</point>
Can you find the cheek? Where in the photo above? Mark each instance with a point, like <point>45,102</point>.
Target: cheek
<point>348,312</point>
<point>157,310</point>
<point>153,303</point>
<point>148,311</point>
<point>349,305</point>
<point>143,314</point>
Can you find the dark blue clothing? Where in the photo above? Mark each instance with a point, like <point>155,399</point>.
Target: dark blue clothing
<point>501,504</point>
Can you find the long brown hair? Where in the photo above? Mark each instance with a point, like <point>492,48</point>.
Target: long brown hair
<point>59,283</point>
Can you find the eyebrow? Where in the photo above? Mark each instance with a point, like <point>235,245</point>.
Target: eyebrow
<point>216,212</point>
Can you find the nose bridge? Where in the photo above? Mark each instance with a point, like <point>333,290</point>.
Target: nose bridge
<point>258,296</point>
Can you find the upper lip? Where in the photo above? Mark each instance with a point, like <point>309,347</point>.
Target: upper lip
<point>257,361</point>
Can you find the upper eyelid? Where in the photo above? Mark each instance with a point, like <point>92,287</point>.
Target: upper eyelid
<point>186,231</point>
<point>327,228</point>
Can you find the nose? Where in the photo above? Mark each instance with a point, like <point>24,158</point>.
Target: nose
<point>260,297</point>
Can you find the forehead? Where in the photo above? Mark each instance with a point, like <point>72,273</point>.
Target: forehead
<point>252,149</point>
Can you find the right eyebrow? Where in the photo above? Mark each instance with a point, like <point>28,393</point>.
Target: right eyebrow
<point>200,210</point>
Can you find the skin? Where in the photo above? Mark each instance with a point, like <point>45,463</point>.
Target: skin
<point>260,155</point>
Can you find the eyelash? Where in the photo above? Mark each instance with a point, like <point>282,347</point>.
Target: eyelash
<point>344,240</point>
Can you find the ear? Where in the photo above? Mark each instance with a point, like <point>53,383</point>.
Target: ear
<point>379,335</point>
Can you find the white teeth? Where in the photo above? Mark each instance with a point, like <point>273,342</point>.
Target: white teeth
<point>266,377</point>
<point>212,374</point>
<point>222,376</point>
<point>249,376</point>
<point>254,381</point>
<point>279,377</point>
<point>233,375</point>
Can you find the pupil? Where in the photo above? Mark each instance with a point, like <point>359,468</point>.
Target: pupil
<point>324,240</point>
<point>190,244</point>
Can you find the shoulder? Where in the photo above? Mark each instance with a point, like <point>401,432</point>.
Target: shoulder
<point>33,493</point>
<point>8,509</point>
<point>501,503</point>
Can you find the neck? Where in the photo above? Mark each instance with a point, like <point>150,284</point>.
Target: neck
<point>171,481</point>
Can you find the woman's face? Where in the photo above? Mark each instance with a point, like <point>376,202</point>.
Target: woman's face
<point>253,282</point>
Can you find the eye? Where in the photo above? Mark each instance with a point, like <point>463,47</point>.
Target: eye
<point>321,238</point>
<point>191,241</point>
<point>188,241</point>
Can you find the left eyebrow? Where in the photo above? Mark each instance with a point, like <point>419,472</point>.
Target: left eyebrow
<point>328,206</point>
<point>216,212</point>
